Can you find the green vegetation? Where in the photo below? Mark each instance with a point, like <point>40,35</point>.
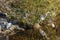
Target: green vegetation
<point>29,11</point>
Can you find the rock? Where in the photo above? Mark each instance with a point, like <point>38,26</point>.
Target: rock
<point>36,26</point>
